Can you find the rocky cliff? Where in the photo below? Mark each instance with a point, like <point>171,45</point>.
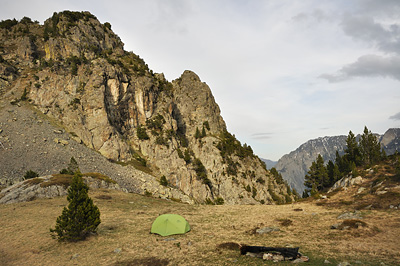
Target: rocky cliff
<point>390,141</point>
<point>75,70</point>
<point>295,165</point>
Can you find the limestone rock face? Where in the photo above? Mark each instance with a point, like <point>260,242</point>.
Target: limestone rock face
<point>77,73</point>
<point>86,36</point>
<point>194,99</point>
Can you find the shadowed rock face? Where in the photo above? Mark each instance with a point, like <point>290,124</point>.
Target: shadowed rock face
<point>75,71</point>
<point>390,141</point>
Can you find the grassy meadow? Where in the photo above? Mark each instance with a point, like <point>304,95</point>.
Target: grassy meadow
<point>123,236</point>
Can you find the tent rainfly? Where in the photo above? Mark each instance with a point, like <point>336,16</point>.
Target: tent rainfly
<point>170,224</point>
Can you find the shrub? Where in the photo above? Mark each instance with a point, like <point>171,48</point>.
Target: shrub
<point>141,160</point>
<point>219,201</point>
<point>254,192</point>
<point>229,145</point>
<point>180,153</point>
<point>209,202</point>
<point>156,122</point>
<point>26,20</point>
<point>7,24</point>
<point>163,181</point>
<point>260,180</point>
<point>200,169</point>
<point>160,140</point>
<point>81,217</point>
<point>107,25</point>
<point>24,95</point>
<point>141,133</point>
<point>397,170</point>
<point>72,168</point>
<point>30,174</point>
<point>65,172</point>
<point>288,199</point>
<point>187,157</point>
<point>206,125</point>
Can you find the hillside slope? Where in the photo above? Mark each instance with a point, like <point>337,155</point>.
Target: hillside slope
<point>295,165</point>
<point>75,70</point>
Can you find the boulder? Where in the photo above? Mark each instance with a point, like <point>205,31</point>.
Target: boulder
<point>267,230</point>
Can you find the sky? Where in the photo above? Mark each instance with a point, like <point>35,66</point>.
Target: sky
<point>282,71</point>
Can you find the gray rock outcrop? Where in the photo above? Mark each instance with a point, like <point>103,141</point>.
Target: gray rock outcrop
<point>39,187</point>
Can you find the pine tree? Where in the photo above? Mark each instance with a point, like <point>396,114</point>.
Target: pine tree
<point>197,135</point>
<point>203,132</point>
<point>73,166</point>
<point>317,176</point>
<point>81,217</point>
<point>333,173</point>
<point>370,148</point>
<point>343,164</point>
<point>352,150</point>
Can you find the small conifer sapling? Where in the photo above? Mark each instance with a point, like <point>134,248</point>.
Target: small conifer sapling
<point>81,217</point>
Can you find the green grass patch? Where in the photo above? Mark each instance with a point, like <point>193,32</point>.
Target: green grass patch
<point>58,180</point>
<point>138,165</point>
<point>100,177</point>
<point>33,181</point>
<point>66,179</point>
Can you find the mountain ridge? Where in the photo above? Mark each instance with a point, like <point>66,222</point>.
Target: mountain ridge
<point>295,165</point>
<point>74,70</point>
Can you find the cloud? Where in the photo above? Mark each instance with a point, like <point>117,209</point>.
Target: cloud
<point>395,117</point>
<point>368,66</point>
<point>381,33</point>
<point>169,16</point>
<point>261,136</point>
<point>385,37</point>
<point>387,8</point>
<point>317,15</point>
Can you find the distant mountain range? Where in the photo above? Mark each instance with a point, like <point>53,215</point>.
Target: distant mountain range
<point>269,163</point>
<point>294,166</point>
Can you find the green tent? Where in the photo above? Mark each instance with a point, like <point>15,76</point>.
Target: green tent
<point>170,224</point>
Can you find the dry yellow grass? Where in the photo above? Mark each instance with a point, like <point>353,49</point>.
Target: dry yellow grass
<point>126,221</point>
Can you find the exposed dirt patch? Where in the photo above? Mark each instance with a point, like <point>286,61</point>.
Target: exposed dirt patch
<point>104,197</point>
<point>229,246</point>
<point>150,261</point>
<point>285,222</point>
